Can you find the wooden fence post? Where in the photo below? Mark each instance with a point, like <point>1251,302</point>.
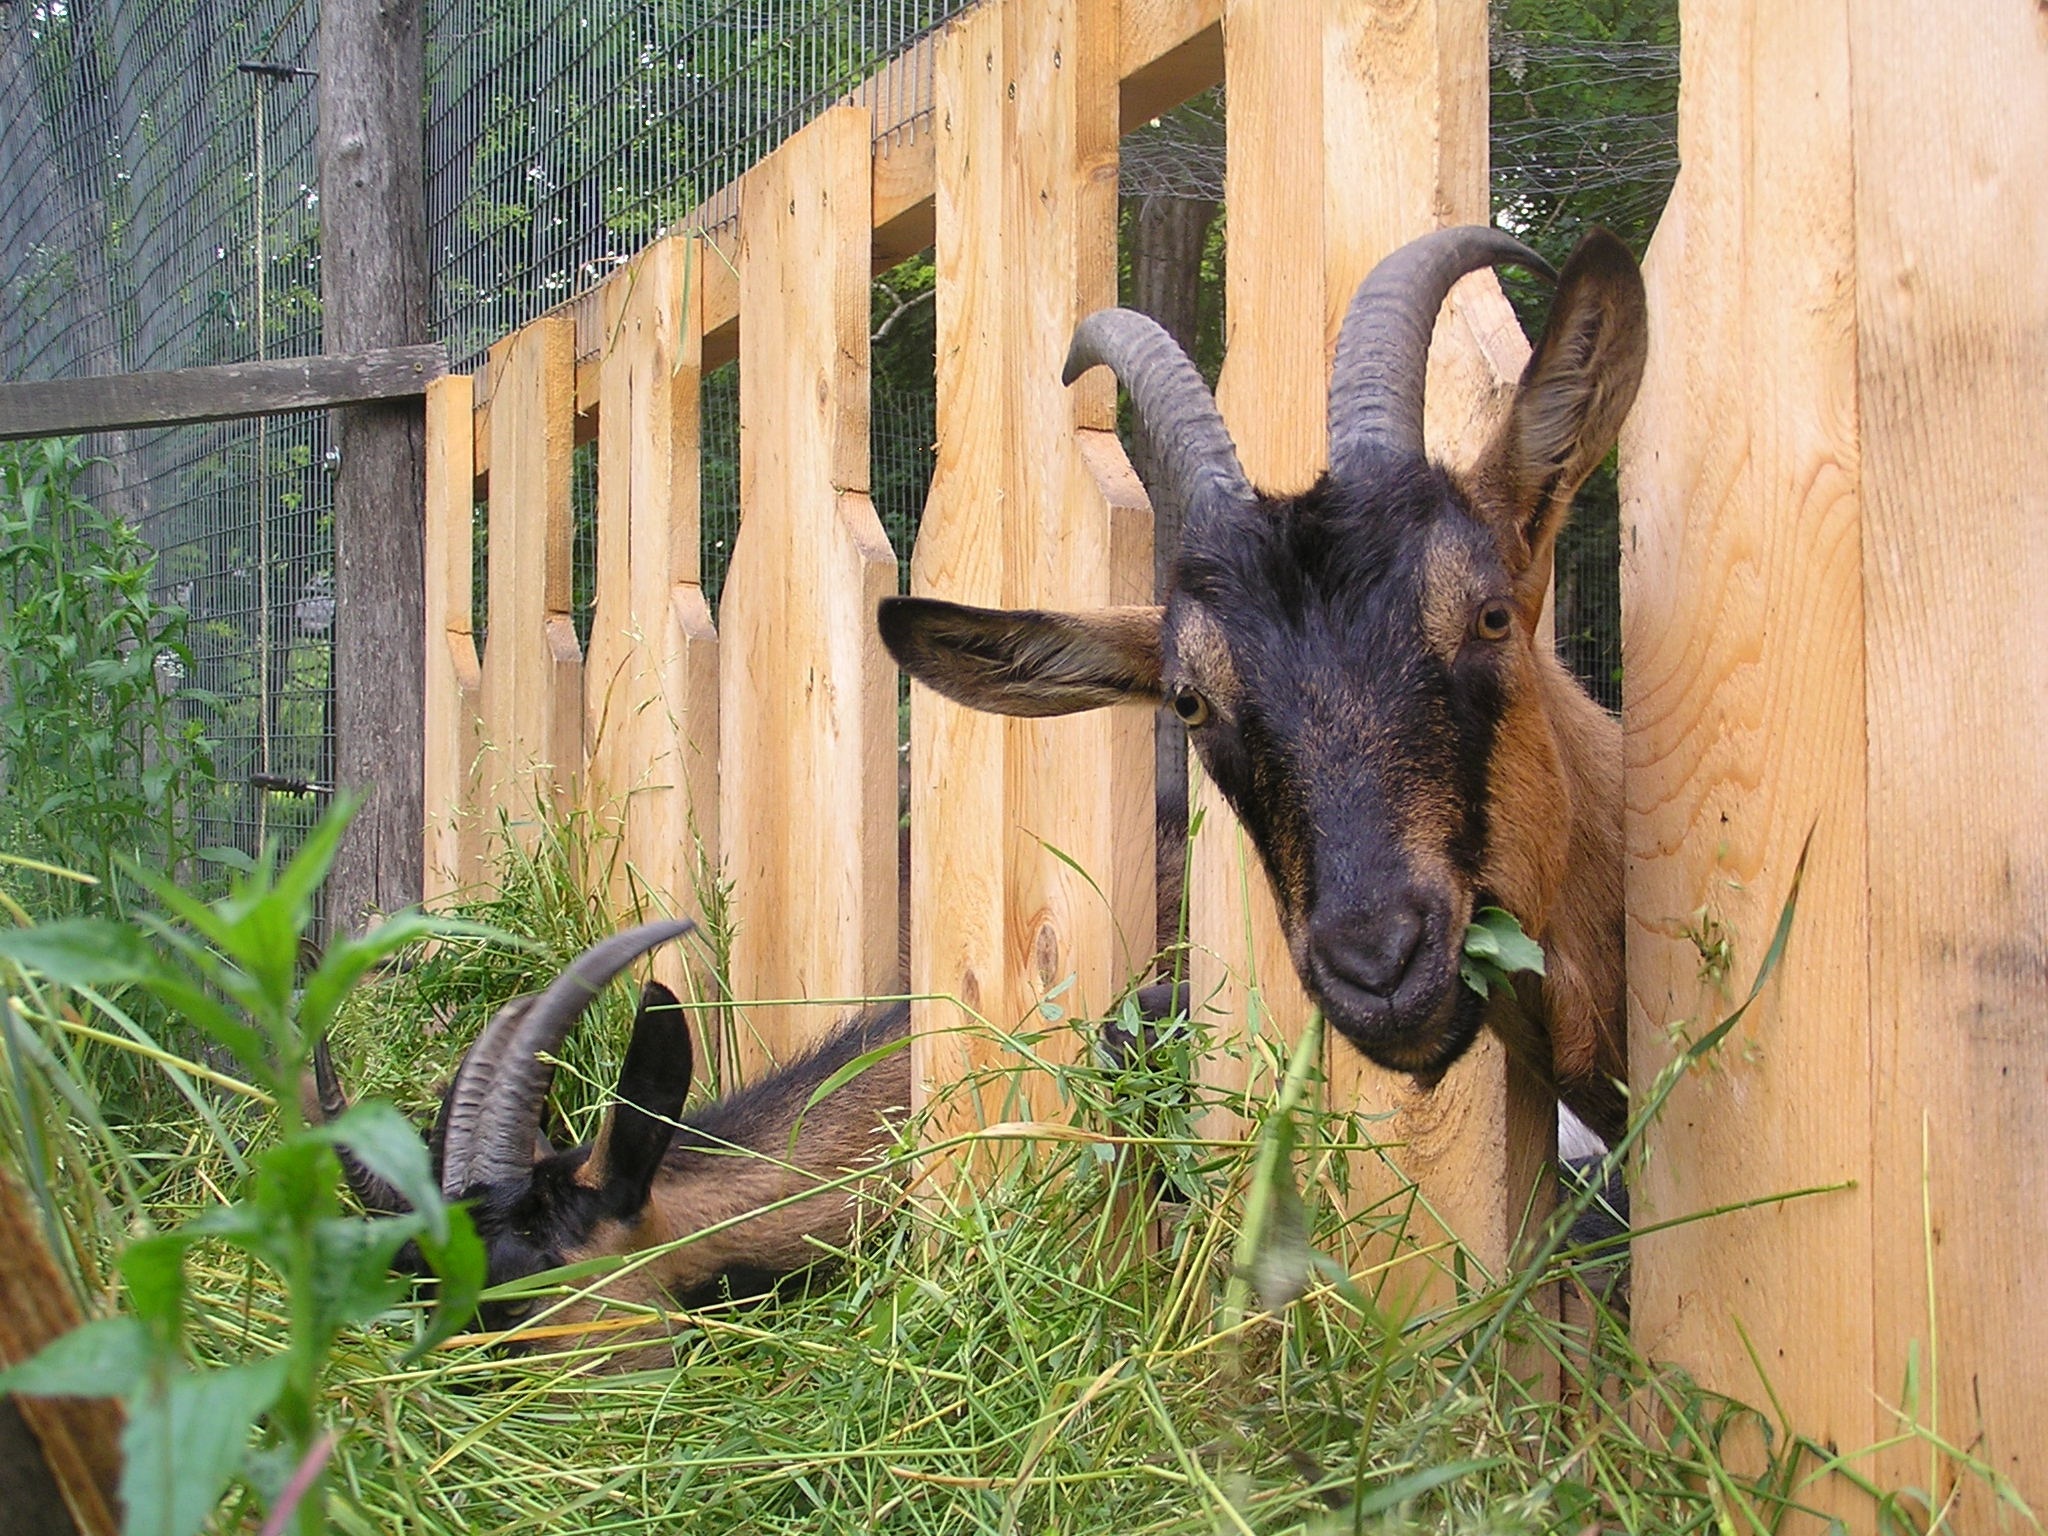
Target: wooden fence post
<point>1328,170</point>
<point>373,288</point>
<point>1744,708</point>
<point>1952,383</point>
<point>1834,528</point>
<point>453,818</point>
<point>651,678</point>
<point>532,691</point>
<point>807,695</point>
<point>1032,504</point>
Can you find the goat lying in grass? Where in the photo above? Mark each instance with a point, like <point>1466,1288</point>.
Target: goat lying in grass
<point>749,1190</point>
<point>731,1199</point>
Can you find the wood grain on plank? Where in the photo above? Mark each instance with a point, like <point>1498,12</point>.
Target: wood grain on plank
<point>1744,685</point>
<point>455,830</point>
<point>959,945</point>
<point>650,680</point>
<point>110,402</point>
<point>1032,504</point>
<point>807,717</point>
<point>1951,248</point>
<point>532,688</point>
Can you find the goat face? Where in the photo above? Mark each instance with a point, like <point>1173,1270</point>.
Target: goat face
<point>1357,665</point>
<point>590,1201</point>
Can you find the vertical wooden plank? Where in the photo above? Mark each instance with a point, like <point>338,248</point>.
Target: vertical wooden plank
<point>958,948</point>
<point>651,679</point>
<point>807,694</point>
<point>532,667</point>
<point>1745,724</point>
<point>454,681</point>
<point>1391,137</point>
<point>1032,504</point>
<point>1077,528</point>
<point>1951,243</point>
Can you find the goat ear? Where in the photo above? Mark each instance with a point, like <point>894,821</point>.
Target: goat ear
<point>652,1086</point>
<point>1024,662</point>
<point>1568,409</point>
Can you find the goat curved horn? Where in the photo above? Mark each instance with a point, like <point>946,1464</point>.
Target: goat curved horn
<point>492,1120</point>
<point>324,1101</point>
<point>467,1098</point>
<point>1383,348</point>
<point>1198,461</point>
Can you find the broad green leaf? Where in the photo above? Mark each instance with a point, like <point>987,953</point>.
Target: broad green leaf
<point>209,920</point>
<point>461,1264</point>
<point>154,1268</point>
<point>207,1014</point>
<point>352,1279</point>
<point>82,952</point>
<point>106,1358</point>
<point>389,1145</point>
<point>347,960</point>
<point>303,876</point>
<point>1495,949</point>
<point>185,1438</point>
<point>1504,940</point>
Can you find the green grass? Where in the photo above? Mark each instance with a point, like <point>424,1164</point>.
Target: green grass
<point>1050,1348</point>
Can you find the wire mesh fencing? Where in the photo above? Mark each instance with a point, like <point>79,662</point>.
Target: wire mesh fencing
<point>562,137</point>
<point>158,209</point>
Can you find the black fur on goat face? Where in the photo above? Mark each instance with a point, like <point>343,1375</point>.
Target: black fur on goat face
<point>1359,665</point>
<point>739,1187</point>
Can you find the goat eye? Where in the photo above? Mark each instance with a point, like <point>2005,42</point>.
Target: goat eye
<point>1190,706</point>
<point>1493,622</point>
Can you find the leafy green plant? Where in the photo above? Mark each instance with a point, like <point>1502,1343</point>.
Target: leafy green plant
<point>1496,948</point>
<point>99,762</point>
<point>232,969</point>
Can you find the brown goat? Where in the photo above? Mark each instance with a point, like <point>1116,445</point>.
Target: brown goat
<point>762,1175</point>
<point>1359,670</point>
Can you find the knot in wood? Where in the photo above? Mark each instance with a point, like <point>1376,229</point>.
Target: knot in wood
<point>1045,953</point>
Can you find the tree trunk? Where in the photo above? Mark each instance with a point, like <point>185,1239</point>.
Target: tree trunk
<point>374,289</point>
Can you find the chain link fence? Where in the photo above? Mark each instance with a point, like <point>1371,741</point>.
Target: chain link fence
<point>159,208</point>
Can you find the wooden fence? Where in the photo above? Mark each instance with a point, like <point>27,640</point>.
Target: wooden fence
<point>1835,523</point>
<point>1834,512</point>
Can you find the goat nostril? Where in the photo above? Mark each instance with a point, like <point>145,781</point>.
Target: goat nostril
<point>1374,956</point>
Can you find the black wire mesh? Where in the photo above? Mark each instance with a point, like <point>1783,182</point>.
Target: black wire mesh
<point>157,210</point>
<point>563,135</point>
<point>719,476</point>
